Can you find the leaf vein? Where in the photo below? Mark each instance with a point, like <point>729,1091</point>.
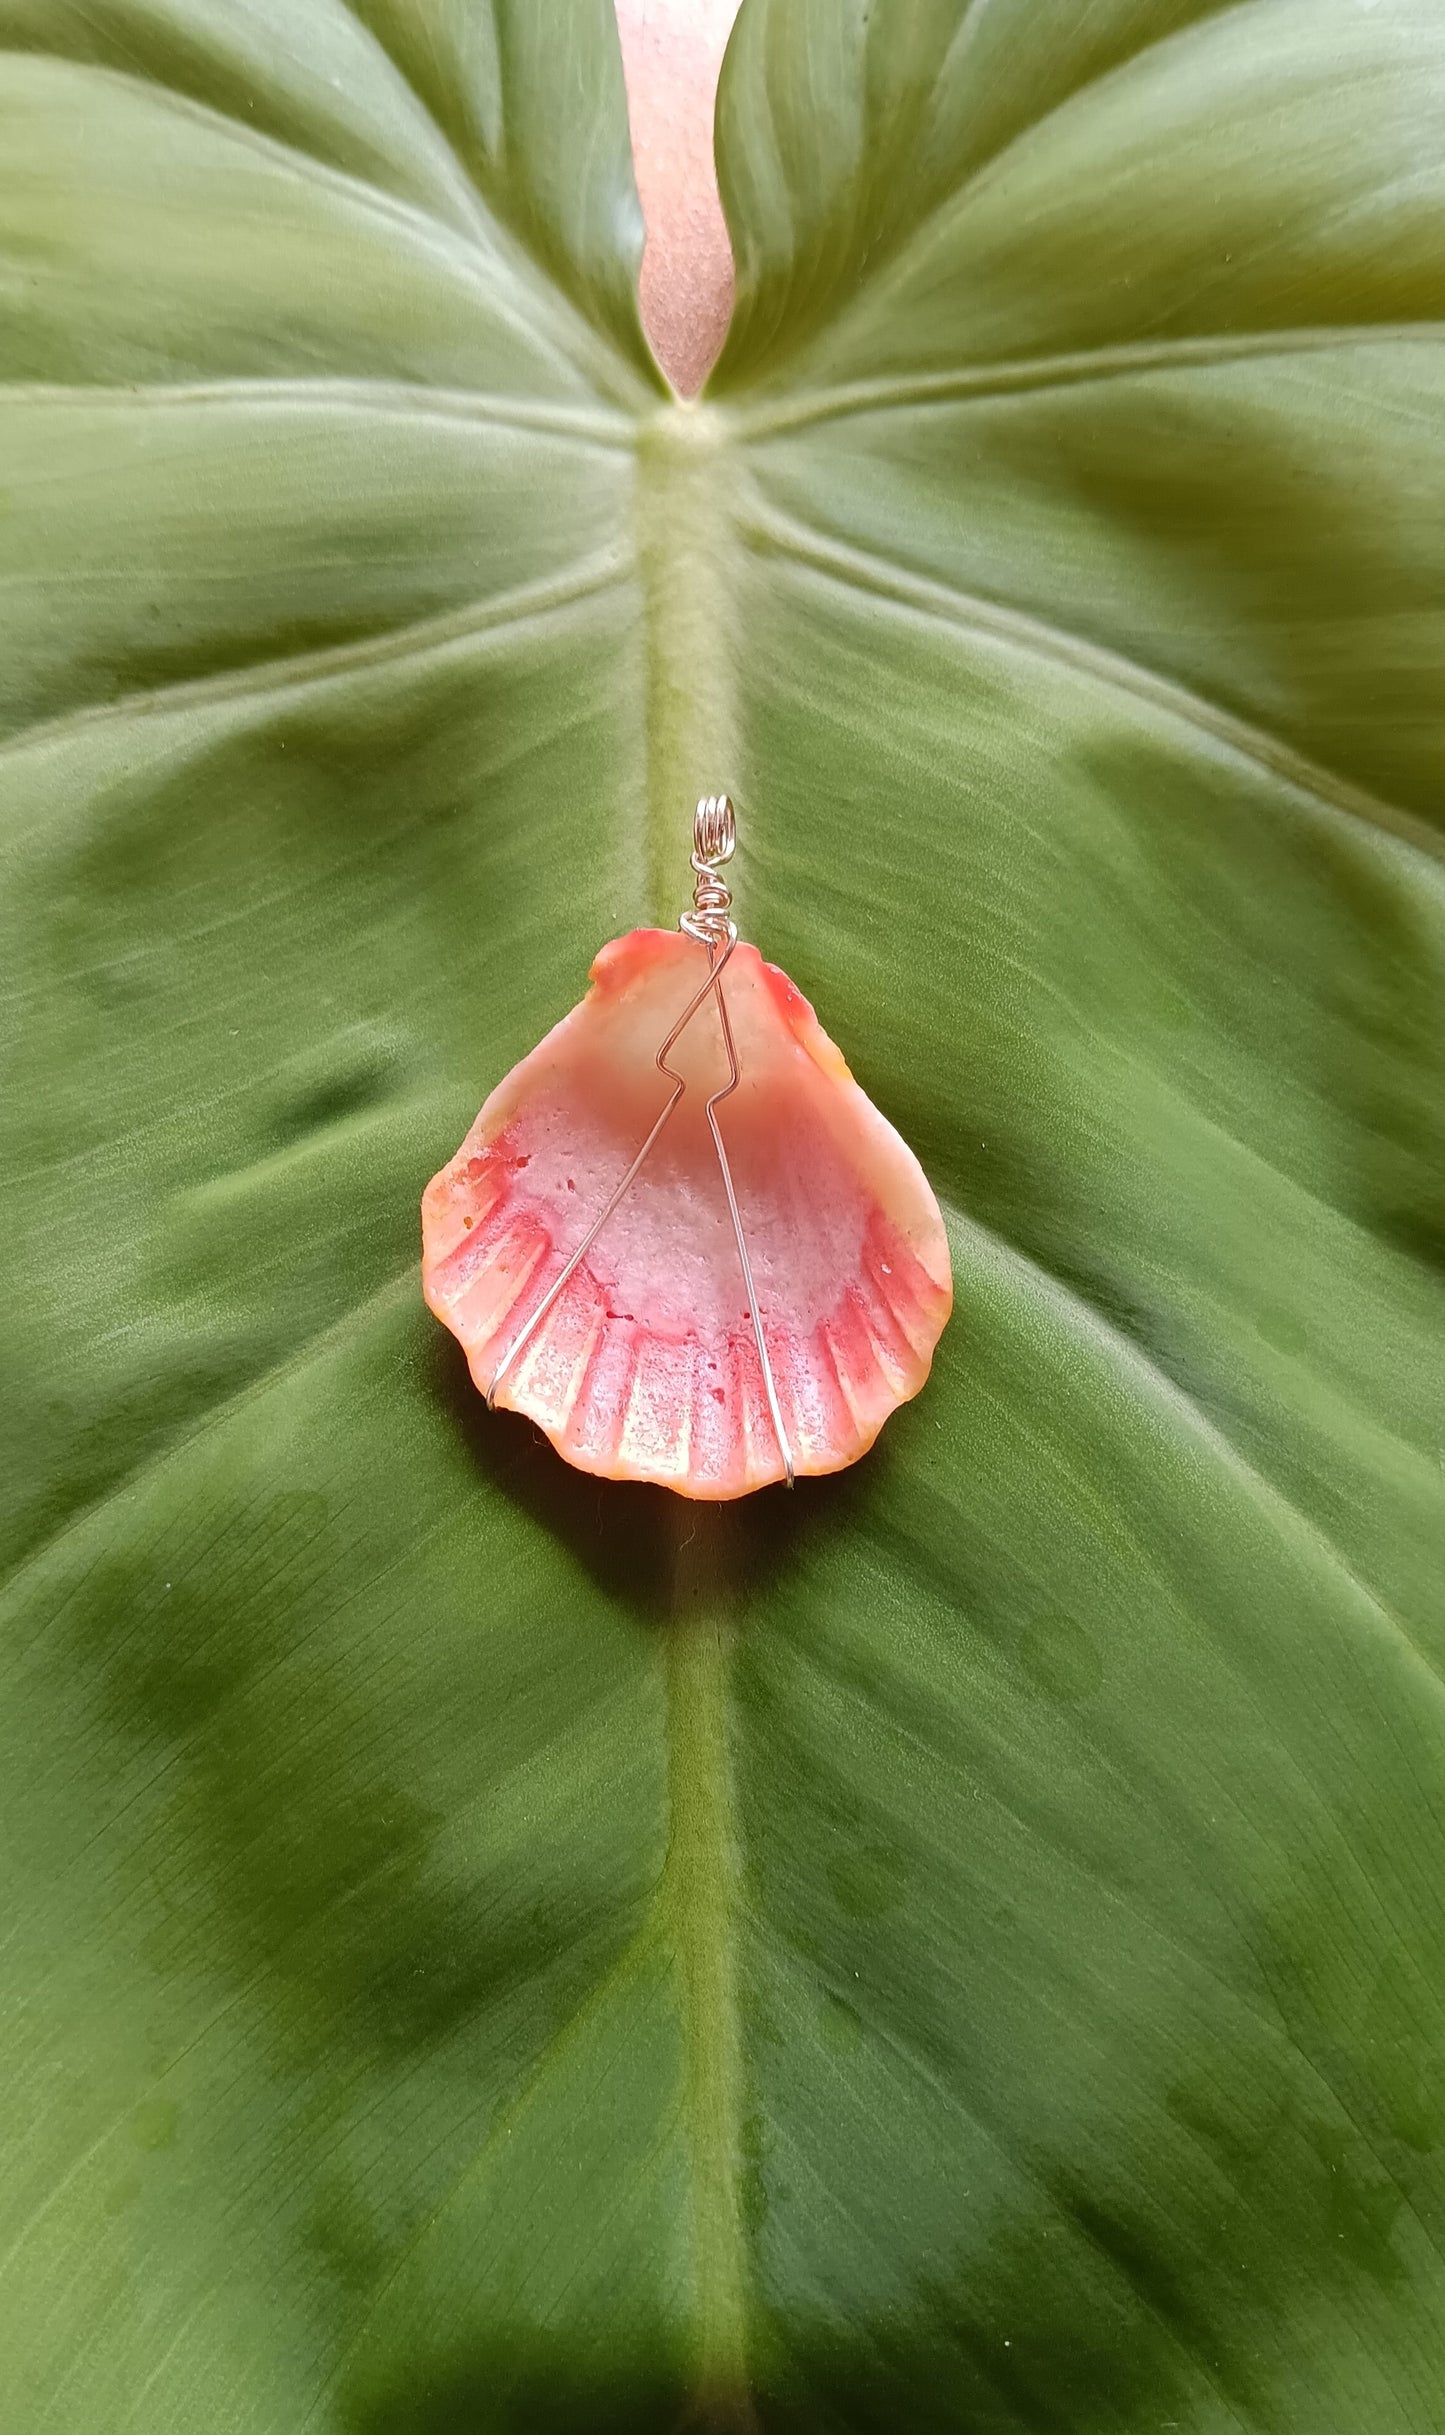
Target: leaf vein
<point>942,604</point>
<point>1125,1352</point>
<point>467,259</point>
<point>191,1432</point>
<point>1024,375</point>
<point>598,426</point>
<point>552,594</point>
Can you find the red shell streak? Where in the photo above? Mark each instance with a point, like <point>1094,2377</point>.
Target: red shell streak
<point>646,1366</point>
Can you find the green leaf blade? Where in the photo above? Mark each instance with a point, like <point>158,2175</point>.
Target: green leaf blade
<point>960,1946</point>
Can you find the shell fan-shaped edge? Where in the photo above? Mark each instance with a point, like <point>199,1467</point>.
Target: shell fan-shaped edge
<point>646,1366</point>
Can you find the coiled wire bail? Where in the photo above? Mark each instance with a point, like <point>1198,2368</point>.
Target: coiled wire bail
<point>714,836</point>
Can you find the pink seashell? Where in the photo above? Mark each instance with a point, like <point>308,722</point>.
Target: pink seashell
<point>646,1367</point>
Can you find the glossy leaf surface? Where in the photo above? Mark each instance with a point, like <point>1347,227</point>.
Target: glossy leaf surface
<point>960,1947</point>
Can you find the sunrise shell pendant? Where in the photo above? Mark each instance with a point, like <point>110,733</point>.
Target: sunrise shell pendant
<point>679,1236</point>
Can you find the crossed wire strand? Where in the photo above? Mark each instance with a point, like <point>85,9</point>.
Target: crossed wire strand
<point>709,921</point>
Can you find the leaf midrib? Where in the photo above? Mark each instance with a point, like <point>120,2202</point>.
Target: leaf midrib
<point>685,545</point>
<point>697,1900</point>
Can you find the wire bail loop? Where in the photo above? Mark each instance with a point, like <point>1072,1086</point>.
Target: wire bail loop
<point>714,839</point>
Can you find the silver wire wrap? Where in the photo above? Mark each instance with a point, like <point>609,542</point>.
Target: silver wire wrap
<point>709,921</point>
<point>714,838</point>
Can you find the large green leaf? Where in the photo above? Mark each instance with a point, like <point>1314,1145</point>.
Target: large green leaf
<point>960,1947</point>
